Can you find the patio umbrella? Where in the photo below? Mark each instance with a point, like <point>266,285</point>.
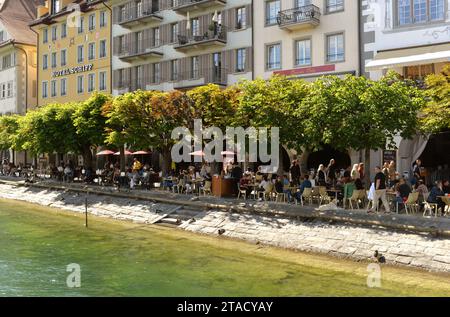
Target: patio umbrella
<point>105,153</point>
<point>142,153</point>
<point>197,153</point>
<point>126,153</point>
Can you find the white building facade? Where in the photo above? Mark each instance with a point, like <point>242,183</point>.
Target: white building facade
<point>165,45</point>
<point>411,37</point>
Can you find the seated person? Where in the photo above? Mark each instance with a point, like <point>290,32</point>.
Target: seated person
<point>446,187</point>
<point>244,182</point>
<point>305,184</point>
<point>358,184</point>
<point>403,190</point>
<point>435,192</point>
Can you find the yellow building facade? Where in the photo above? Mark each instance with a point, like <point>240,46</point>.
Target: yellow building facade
<point>74,50</point>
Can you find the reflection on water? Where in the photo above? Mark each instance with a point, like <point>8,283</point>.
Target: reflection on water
<point>119,259</point>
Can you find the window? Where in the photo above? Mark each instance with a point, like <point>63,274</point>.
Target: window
<point>122,13</point>
<point>81,25</point>
<point>195,27</point>
<point>54,63</point>
<point>302,3</point>
<point>44,89</point>
<point>44,62</point>
<point>92,22</point>
<point>335,48</point>
<point>53,88</point>
<point>174,70</point>
<point>54,33</point>
<point>419,11</point>
<point>103,19</point>
<point>139,80</point>
<point>80,53</point>
<point>174,32</point>
<point>64,57</point>
<point>45,36</point>
<point>102,81</point>
<point>272,10</point>
<point>56,6</point>
<point>334,6</point>
<point>195,65</point>
<point>80,84</point>
<point>156,73</point>
<point>102,48</point>
<point>273,56</point>
<point>9,89</point>
<point>303,52</point>
<point>91,82</point>
<point>63,30</point>
<point>91,51</point>
<point>138,8</point>
<point>241,18</point>
<point>6,61</point>
<point>3,95</point>
<point>63,86</point>
<point>240,60</point>
<point>156,37</point>
<point>419,72</point>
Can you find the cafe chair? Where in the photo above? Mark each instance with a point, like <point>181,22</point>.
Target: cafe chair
<point>324,196</point>
<point>306,195</point>
<point>429,207</point>
<point>267,194</point>
<point>206,189</point>
<point>242,192</point>
<point>411,204</point>
<point>355,197</point>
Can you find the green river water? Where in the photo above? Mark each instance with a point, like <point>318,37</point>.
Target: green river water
<point>124,259</point>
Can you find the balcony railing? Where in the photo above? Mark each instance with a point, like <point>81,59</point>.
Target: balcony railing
<point>139,50</point>
<point>297,18</point>
<point>217,35</point>
<point>200,77</point>
<point>191,5</point>
<point>136,15</point>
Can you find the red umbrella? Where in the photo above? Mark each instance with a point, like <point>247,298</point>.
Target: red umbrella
<point>126,153</point>
<point>141,153</point>
<point>105,153</point>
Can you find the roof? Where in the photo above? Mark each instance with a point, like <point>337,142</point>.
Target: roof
<point>15,15</point>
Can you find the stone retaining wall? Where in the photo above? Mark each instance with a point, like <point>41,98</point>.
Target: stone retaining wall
<point>349,241</point>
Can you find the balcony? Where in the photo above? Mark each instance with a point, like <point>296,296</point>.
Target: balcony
<point>133,51</point>
<point>216,37</point>
<point>201,77</point>
<point>299,18</point>
<point>184,6</point>
<point>135,16</point>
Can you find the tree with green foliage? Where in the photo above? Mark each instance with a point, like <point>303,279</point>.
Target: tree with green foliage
<point>274,103</point>
<point>435,116</point>
<point>356,113</point>
<point>8,131</point>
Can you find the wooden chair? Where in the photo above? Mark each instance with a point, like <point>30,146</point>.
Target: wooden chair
<point>324,197</point>
<point>429,207</point>
<point>356,196</point>
<point>206,189</point>
<point>281,197</point>
<point>306,195</point>
<point>411,204</point>
<point>242,192</point>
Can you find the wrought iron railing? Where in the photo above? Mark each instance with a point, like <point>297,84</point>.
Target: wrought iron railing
<point>215,32</point>
<point>309,13</point>
<point>135,12</point>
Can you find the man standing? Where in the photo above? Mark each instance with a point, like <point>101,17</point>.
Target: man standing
<point>380,191</point>
<point>416,172</point>
<point>295,172</point>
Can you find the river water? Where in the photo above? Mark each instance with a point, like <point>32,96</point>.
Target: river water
<point>123,259</point>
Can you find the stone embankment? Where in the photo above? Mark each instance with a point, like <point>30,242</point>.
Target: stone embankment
<point>281,229</point>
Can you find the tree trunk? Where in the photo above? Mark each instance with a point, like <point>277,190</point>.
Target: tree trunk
<point>87,157</point>
<point>367,167</point>
<point>122,159</point>
<point>166,160</point>
<point>281,161</point>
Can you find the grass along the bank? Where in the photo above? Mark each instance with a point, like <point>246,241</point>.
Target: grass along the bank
<point>211,266</point>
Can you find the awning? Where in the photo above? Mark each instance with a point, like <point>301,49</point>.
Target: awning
<point>410,57</point>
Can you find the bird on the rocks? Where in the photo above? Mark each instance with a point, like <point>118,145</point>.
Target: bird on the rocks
<point>379,257</point>
<point>221,232</point>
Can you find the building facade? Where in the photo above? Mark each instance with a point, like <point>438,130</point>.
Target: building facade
<point>306,38</point>
<point>74,50</point>
<point>18,63</point>
<point>180,44</point>
<point>411,37</point>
